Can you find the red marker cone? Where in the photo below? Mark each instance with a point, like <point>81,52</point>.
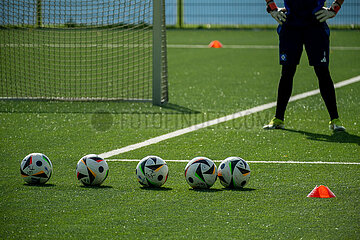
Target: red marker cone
<point>215,44</point>
<point>321,192</point>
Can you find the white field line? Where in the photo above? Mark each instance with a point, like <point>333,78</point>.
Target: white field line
<point>217,121</point>
<point>252,47</point>
<point>225,46</point>
<point>266,162</point>
<point>117,45</point>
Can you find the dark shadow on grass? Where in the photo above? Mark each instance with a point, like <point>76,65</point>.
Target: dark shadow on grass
<point>48,185</point>
<point>240,189</point>
<point>96,187</point>
<point>179,108</point>
<point>90,107</point>
<point>205,190</point>
<point>336,137</point>
<point>156,188</point>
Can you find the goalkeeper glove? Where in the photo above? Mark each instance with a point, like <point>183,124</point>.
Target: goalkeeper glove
<point>277,13</point>
<point>325,13</point>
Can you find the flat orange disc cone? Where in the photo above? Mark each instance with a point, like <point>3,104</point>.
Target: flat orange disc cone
<point>215,44</point>
<point>321,192</point>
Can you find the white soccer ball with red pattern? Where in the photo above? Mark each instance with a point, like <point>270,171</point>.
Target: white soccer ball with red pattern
<point>92,170</point>
<point>201,172</point>
<point>152,171</point>
<point>36,168</point>
<point>234,172</point>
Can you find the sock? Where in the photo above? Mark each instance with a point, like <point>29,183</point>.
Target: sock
<point>284,89</point>
<point>327,90</point>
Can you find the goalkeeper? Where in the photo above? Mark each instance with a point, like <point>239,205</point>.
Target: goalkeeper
<point>303,22</point>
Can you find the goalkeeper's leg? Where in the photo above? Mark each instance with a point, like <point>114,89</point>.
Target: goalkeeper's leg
<point>290,50</point>
<point>284,93</point>
<point>327,91</point>
<point>284,89</point>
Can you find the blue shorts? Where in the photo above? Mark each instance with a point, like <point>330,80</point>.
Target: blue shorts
<point>315,38</point>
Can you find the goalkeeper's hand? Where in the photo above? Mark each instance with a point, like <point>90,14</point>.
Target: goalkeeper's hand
<point>326,13</point>
<point>277,13</point>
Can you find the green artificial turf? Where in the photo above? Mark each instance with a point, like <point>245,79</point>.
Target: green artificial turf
<point>273,205</point>
<point>204,84</point>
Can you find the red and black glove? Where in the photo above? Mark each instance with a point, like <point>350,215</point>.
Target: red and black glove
<point>326,13</point>
<point>277,13</point>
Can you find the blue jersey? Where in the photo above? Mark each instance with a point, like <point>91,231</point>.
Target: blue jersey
<point>301,12</point>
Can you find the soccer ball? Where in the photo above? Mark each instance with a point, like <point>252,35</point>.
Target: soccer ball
<point>152,171</point>
<point>201,172</point>
<point>234,172</point>
<point>36,168</point>
<point>92,170</point>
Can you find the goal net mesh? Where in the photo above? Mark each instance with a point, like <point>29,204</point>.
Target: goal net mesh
<point>78,50</point>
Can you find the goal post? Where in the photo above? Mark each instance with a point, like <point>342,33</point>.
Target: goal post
<point>38,13</point>
<point>160,90</point>
<point>83,50</point>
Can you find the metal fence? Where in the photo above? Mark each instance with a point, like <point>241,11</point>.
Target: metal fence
<point>240,13</point>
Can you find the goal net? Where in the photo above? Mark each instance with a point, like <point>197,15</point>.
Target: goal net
<point>83,50</point>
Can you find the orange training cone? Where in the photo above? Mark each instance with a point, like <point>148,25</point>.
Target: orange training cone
<point>321,192</point>
<point>215,44</point>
